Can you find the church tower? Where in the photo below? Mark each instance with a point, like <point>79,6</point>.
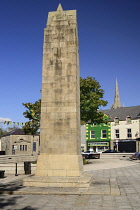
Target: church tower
<point>116,98</point>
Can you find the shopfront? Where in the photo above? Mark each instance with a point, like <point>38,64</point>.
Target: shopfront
<point>125,145</point>
<point>97,146</point>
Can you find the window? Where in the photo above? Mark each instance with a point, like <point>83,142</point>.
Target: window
<point>117,134</point>
<point>34,146</point>
<point>129,134</point>
<point>104,134</point>
<point>128,119</point>
<point>23,147</point>
<point>116,120</point>
<point>92,134</point>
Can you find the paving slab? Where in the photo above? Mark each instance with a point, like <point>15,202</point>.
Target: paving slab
<point>112,188</point>
<point>99,186</point>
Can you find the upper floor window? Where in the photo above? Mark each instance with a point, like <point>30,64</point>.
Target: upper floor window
<point>92,134</point>
<point>128,119</point>
<point>117,134</point>
<point>116,120</point>
<point>129,133</point>
<point>104,134</point>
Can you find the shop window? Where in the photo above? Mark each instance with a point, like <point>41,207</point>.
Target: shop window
<point>128,119</point>
<point>92,134</point>
<point>117,134</point>
<point>129,133</point>
<point>104,134</point>
<point>116,120</point>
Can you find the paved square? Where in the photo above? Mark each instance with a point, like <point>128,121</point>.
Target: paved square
<point>113,188</point>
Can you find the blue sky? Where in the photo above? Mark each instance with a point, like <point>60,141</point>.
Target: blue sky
<point>109,40</point>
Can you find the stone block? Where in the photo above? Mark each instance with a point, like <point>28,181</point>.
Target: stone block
<point>82,181</point>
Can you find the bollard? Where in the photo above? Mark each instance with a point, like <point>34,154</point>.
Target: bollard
<point>16,174</point>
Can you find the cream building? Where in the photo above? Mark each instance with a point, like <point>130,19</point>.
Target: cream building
<point>16,142</point>
<point>125,128</point>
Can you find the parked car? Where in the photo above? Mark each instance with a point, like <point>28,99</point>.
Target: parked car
<point>110,151</point>
<point>91,155</point>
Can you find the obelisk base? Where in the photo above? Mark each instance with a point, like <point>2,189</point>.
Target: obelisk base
<point>59,171</point>
<point>82,181</point>
<point>59,165</point>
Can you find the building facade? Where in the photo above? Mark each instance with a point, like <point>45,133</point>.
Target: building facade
<point>17,143</point>
<point>98,136</point>
<point>83,138</point>
<point>125,128</point>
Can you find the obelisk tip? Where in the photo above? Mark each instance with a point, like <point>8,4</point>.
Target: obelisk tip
<point>59,8</point>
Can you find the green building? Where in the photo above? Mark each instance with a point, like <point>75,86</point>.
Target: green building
<point>98,136</point>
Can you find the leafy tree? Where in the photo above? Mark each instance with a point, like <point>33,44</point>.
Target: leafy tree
<point>91,98</point>
<point>33,114</point>
<point>31,127</point>
<point>2,132</point>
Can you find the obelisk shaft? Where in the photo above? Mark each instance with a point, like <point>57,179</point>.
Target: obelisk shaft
<point>60,163</point>
<point>60,106</point>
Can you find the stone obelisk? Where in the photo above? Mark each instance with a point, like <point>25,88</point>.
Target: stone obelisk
<point>60,163</point>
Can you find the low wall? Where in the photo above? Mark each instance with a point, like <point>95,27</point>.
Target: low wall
<point>10,168</point>
<point>17,158</point>
<point>115,155</point>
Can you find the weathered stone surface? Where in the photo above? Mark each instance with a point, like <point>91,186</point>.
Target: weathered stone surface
<point>60,154</point>
<point>59,181</point>
<point>60,109</point>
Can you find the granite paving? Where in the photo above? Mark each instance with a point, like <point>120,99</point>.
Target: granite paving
<point>115,186</point>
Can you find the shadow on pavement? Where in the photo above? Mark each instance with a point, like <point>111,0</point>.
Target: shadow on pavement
<point>9,187</point>
<point>5,201</point>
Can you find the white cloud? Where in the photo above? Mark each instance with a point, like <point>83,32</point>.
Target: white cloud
<point>4,119</point>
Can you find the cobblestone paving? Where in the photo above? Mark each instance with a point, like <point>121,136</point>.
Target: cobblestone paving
<point>127,176</point>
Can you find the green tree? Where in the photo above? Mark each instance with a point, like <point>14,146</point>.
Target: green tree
<point>2,132</point>
<point>91,98</point>
<point>33,114</point>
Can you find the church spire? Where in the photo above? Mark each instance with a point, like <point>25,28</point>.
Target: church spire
<point>117,97</point>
